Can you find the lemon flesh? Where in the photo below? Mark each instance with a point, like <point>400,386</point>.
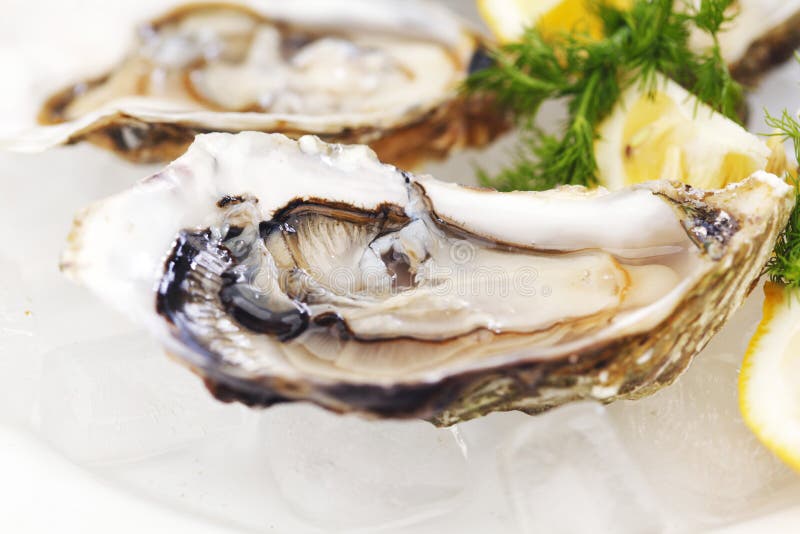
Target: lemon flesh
<point>769,396</point>
<point>671,135</point>
<point>508,18</point>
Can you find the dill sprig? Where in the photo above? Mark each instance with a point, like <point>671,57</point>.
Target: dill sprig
<point>650,38</point>
<point>784,266</point>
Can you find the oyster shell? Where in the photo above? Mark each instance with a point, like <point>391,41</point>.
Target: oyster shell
<point>381,72</point>
<point>284,270</point>
<point>764,34</point>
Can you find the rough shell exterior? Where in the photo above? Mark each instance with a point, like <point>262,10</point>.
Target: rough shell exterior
<point>774,48</point>
<point>464,121</point>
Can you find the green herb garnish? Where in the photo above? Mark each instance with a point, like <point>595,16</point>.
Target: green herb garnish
<point>784,266</point>
<point>652,37</point>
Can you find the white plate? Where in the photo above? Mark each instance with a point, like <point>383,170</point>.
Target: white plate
<point>100,430</point>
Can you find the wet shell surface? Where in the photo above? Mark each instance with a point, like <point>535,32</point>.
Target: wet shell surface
<point>282,270</point>
<point>380,72</point>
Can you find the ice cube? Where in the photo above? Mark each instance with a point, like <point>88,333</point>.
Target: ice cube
<point>40,309</point>
<point>19,361</point>
<point>64,312</point>
<point>566,471</point>
<point>120,398</point>
<point>225,478</point>
<point>346,472</point>
<point>692,445</point>
<point>487,507</point>
<point>68,314</point>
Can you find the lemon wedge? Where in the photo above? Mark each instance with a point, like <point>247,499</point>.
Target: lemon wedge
<point>671,135</point>
<point>769,396</point>
<point>508,19</point>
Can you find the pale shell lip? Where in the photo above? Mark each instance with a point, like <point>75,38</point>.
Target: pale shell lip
<point>778,187</point>
<point>118,250</point>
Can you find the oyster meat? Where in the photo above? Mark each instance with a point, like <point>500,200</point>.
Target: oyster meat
<point>381,72</point>
<point>283,270</point>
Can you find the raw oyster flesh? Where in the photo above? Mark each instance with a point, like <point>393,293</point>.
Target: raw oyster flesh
<point>284,270</point>
<point>381,72</point>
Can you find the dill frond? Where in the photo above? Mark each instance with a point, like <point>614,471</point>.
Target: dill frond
<point>784,266</point>
<point>788,127</point>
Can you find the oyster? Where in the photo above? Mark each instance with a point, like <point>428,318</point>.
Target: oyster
<point>284,270</point>
<point>381,72</point>
<point>764,34</point>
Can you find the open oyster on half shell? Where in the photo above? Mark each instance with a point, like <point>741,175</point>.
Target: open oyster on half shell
<point>380,72</point>
<point>284,270</point>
